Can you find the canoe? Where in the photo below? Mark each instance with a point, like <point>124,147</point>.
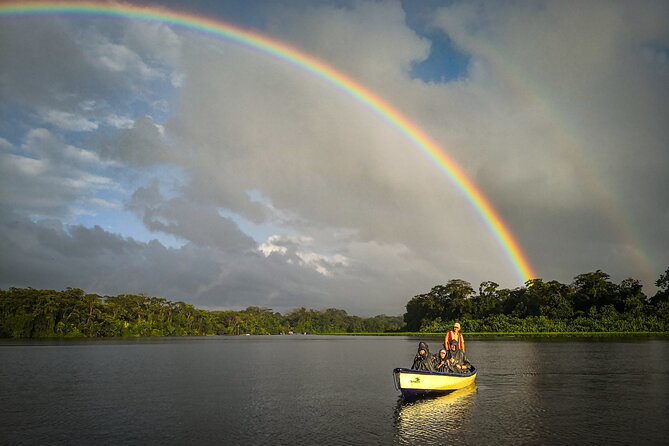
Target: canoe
<point>417,383</point>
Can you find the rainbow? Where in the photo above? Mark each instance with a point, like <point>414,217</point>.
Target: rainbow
<point>308,63</point>
<point>572,149</point>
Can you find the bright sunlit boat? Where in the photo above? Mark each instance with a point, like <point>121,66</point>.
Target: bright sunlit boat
<point>418,383</point>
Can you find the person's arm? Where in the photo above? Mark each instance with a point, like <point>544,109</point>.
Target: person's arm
<point>462,338</point>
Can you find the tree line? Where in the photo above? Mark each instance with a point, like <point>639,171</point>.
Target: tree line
<point>32,313</point>
<point>590,303</point>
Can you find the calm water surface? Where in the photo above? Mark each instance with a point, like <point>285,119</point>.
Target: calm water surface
<point>328,390</point>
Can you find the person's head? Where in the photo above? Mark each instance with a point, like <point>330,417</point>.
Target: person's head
<point>422,349</point>
<point>456,326</point>
<point>442,353</point>
<point>453,345</point>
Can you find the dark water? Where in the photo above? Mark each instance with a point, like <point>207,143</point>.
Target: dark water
<point>328,390</point>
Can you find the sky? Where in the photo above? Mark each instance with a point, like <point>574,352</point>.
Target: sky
<point>143,157</point>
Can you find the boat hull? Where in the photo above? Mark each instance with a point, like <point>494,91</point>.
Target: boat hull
<point>418,383</point>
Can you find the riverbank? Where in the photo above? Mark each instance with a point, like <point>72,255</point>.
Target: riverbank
<point>417,335</point>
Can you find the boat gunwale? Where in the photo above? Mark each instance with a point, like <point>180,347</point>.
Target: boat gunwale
<point>469,374</point>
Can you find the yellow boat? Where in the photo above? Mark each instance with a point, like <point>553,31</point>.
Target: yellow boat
<point>416,383</point>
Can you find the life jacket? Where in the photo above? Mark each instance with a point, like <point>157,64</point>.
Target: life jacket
<point>451,335</point>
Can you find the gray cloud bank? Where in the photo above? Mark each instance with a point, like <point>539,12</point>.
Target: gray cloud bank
<point>283,192</point>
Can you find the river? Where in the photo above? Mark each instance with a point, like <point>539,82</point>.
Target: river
<point>328,391</point>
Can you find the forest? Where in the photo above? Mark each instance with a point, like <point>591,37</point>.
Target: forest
<point>31,313</point>
<point>591,303</point>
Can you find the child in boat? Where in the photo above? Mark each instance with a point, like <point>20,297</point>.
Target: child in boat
<point>457,362</point>
<point>423,359</point>
<point>440,361</point>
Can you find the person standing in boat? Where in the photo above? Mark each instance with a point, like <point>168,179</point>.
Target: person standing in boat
<point>455,335</point>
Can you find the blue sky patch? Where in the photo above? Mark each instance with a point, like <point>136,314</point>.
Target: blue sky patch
<point>446,62</point>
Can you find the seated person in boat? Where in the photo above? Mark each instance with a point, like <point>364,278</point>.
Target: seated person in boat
<point>440,361</point>
<point>456,362</point>
<point>423,359</point>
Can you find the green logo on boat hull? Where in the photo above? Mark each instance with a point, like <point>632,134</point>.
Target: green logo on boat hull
<point>415,380</point>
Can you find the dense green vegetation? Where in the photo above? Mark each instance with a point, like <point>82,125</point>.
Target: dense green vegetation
<point>591,303</point>
<point>31,313</point>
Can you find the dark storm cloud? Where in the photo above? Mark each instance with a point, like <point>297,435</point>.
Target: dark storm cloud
<point>47,254</point>
<point>140,145</point>
<point>588,191</point>
<point>175,216</point>
<point>45,66</point>
<point>560,120</point>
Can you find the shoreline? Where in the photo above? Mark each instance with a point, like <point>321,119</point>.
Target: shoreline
<point>471,335</point>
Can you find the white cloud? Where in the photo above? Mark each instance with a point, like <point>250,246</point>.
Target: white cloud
<point>119,58</point>
<point>49,177</point>
<point>153,41</point>
<point>299,251</point>
<point>322,264</point>
<point>384,46</point>
<point>23,165</point>
<point>120,122</point>
<point>177,79</point>
<point>102,203</point>
<point>78,155</point>
<point>68,121</point>
<point>270,246</point>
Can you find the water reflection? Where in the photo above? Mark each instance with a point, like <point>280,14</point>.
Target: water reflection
<point>433,420</point>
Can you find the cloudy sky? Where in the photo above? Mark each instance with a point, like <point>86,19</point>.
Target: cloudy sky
<point>138,157</point>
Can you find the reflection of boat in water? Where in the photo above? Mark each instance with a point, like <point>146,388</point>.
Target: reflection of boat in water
<point>417,383</point>
<point>424,420</point>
